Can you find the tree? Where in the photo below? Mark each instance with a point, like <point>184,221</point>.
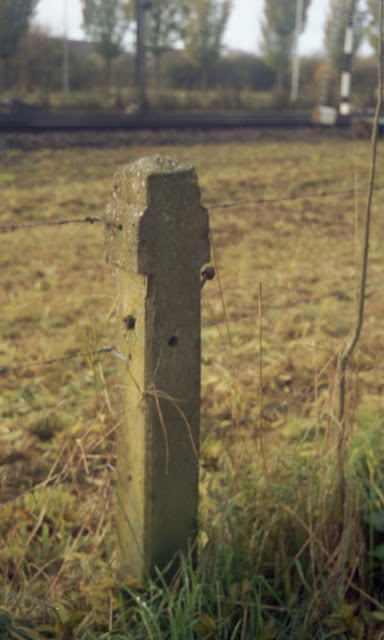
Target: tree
<point>278,32</point>
<point>39,61</point>
<point>15,16</point>
<point>203,33</point>
<point>372,29</point>
<point>164,25</point>
<point>105,23</point>
<point>38,65</point>
<point>335,31</point>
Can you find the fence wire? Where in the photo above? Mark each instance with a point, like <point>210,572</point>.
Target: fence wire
<point>295,303</point>
<point>96,219</point>
<point>224,205</point>
<point>40,363</point>
<point>294,196</point>
<point>112,350</point>
<point>58,223</point>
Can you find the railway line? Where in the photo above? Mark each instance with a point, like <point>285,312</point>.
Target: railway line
<point>19,118</point>
<point>31,120</point>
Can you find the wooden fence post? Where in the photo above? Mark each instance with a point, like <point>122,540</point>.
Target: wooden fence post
<point>157,257</point>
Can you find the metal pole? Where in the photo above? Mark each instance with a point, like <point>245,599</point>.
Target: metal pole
<point>345,88</point>
<point>296,55</point>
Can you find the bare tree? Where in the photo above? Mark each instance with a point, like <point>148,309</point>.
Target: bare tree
<point>105,22</point>
<point>334,35</point>
<point>372,27</point>
<point>165,21</point>
<point>203,33</point>
<point>278,32</point>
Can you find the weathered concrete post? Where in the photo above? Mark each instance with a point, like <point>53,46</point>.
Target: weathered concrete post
<point>157,259</point>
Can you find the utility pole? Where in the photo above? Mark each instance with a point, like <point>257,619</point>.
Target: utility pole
<point>296,54</point>
<point>345,89</point>
<point>141,7</point>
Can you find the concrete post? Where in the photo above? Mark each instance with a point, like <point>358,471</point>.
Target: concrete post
<point>157,259</point>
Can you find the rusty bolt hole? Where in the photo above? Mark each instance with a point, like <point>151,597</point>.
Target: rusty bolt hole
<point>173,341</point>
<point>130,322</point>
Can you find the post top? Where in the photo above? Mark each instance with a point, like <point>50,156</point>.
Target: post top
<point>156,200</point>
<point>154,165</point>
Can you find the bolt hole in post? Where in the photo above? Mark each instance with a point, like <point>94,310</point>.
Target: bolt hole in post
<point>173,341</point>
<point>130,322</point>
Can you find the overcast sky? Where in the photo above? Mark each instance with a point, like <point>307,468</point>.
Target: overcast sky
<point>243,31</point>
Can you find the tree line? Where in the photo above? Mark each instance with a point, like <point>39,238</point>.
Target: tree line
<point>196,27</point>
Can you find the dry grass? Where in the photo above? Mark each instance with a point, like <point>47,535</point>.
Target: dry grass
<point>58,422</point>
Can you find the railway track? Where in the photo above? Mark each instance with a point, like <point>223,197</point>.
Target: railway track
<point>21,118</point>
<point>36,120</point>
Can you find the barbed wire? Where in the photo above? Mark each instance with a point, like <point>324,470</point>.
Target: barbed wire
<point>332,294</point>
<point>272,407</point>
<point>40,363</point>
<point>224,205</point>
<point>112,350</point>
<point>93,219</point>
<point>266,308</point>
<point>58,223</point>
<point>294,196</point>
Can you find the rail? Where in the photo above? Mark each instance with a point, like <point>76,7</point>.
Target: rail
<point>38,121</point>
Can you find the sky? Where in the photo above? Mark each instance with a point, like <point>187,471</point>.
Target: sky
<point>242,33</point>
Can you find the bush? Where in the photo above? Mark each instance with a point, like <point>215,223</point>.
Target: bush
<point>182,74</point>
<point>244,72</point>
<point>236,72</point>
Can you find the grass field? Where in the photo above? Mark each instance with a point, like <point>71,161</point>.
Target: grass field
<point>279,556</point>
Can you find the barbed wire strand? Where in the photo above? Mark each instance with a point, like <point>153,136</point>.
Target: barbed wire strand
<point>92,220</point>
<point>39,363</point>
<point>332,294</point>
<point>112,350</point>
<point>224,205</point>
<point>295,303</point>
<point>281,407</point>
<point>59,223</point>
<point>319,194</point>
